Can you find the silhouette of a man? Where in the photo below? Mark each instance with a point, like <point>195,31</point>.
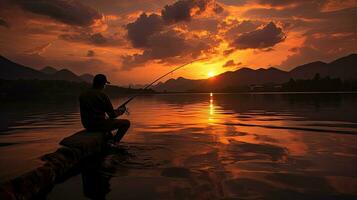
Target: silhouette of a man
<point>97,112</point>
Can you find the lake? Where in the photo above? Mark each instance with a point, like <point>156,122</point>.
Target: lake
<point>200,146</point>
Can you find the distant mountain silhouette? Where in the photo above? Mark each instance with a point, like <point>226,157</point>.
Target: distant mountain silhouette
<point>180,84</point>
<point>12,71</point>
<point>48,70</point>
<point>66,75</point>
<point>344,68</point>
<point>87,78</point>
<point>18,82</point>
<point>246,76</point>
<point>309,70</point>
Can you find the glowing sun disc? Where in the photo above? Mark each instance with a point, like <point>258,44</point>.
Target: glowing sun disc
<point>210,74</point>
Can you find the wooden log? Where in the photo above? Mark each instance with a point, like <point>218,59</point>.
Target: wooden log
<point>75,148</point>
<point>87,142</point>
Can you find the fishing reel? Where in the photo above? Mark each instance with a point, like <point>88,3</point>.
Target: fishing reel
<point>126,111</point>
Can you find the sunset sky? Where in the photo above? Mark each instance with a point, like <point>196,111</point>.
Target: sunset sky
<point>134,41</point>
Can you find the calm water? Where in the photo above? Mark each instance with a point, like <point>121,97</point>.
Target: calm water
<point>201,146</point>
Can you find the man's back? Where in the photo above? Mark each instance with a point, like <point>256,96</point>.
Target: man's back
<point>93,106</point>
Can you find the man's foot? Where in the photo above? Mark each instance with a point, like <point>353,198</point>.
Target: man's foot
<point>112,144</point>
<point>116,148</point>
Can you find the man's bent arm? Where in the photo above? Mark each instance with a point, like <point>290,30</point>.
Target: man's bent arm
<point>110,110</point>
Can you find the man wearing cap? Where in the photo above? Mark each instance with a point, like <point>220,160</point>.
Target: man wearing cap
<point>98,114</point>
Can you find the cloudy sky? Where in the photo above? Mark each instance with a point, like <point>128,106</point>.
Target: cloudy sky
<point>134,41</point>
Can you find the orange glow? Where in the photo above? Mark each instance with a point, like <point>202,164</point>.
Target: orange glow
<point>30,31</point>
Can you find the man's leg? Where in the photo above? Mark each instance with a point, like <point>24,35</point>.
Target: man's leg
<point>122,125</point>
<point>105,127</point>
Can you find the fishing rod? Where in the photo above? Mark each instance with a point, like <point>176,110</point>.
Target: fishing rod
<point>159,78</point>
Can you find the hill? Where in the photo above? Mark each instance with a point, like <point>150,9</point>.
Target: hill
<point>66,75</point>
<point>48,70</point>
<point>43,90</point>
<point>344,68</point>
<point>19,82</point>
<point>309,70</point>
<point>13,71</point>
<point>87,78</point>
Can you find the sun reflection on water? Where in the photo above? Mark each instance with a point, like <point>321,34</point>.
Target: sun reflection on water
<point>211,108</point>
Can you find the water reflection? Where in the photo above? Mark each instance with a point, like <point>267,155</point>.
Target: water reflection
<point>211,146</point>
<point>96,185</point>
<point>211,108</point>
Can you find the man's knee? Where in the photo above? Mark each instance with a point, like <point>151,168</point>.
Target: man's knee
<point>123,123</point>
<point>126,123</point>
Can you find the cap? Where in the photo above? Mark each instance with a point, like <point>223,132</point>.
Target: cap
<point>100,79</point>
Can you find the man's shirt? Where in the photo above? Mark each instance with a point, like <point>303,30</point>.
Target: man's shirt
<point>94,104</point>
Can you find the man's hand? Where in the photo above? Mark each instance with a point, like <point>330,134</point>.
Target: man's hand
<point>121,110</point>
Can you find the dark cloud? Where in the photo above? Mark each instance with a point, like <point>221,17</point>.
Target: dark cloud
<point>310,17</point>
<point>123,7</point>
<point>234,2</point>
<point>329,33</point>
<point>171,43</point>
<point>90,53</point>
<point>4,23</point>
<point>163,46</point>
<point>159,46</point>
<point>282,2</point>
<point>268,2</point>
<point>241,27</point>
<point>204,24</point>
<point>166,44</point>
<point>97,38</point>
<point>229,51</point>
<point>231,63</point>
<point>159,39</point>
<point>183,10</point>
<point>69,12</point>
<point>179,11</point>
<point>132,61</point>
<point>144,27</point>
<point>94,39</point>
<point>268,36</point>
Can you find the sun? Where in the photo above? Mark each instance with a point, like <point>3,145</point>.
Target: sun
<point>210,74</point>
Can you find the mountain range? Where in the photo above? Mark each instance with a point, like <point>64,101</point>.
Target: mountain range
<point>344,68</point>
<point>12,71</point>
